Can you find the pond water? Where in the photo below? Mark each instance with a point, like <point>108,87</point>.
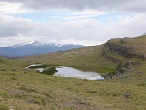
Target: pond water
<point>64,71</point>
<point>72,72</point>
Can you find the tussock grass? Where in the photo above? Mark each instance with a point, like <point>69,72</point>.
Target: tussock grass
<point>39,91</point>
<point>4,107</point>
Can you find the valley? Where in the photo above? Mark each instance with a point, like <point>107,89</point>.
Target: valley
<point>72,55</point>
<point>26,89</point>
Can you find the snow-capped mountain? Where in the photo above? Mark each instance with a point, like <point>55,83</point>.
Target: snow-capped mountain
<point>144,33</point>
<point>36,43</point>
<point>34,48</point>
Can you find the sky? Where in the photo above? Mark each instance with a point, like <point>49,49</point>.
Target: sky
<point>85,22</point>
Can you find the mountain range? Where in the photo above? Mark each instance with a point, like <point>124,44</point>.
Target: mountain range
<point>34,48</point>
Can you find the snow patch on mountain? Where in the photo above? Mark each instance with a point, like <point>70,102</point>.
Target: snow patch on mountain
<point>37,43</point>
<point>144,33</point>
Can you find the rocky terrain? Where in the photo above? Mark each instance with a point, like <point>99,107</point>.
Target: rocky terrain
<point>120,48</point>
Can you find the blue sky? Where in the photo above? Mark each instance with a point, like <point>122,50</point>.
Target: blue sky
<point>66,16</point>
<point>86,22</point>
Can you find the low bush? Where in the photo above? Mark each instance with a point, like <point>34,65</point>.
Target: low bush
<point>4,94</point>
<point>50,71</point>
<point>4,107</point>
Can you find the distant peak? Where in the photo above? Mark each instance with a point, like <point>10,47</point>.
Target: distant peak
<point>144,33</point>
<point>34,42</point>
<point>37,43</point>
<point>30,42</point>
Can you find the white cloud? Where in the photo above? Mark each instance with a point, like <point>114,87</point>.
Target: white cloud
<point>85,22</point>
<point>11,26</point>
<point>9,8</point>
<point>81,31</point>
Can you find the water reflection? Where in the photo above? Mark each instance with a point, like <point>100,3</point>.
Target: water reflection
<point>66,72</point>
<point>72,72</point>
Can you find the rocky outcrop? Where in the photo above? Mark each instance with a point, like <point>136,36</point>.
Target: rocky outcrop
<point>125,51</point>
<point>115,60</point>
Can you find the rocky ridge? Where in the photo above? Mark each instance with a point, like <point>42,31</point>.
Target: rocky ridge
<point>120,48</point>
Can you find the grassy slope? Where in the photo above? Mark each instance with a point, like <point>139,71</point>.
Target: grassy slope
<point>33,91</point>
<point>9,64</point>
<point>86,57</point>
<point>138,42</point>
<point>137,73</point>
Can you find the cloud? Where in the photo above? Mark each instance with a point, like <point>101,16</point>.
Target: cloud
<point>87,22</point>
<point>6,8</point>
<point>11,26</point>
<point>102,5</point>
<point>81,31</point>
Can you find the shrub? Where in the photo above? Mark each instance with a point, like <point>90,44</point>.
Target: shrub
<point>127,94</point>
<point>4,107</point>
<point>50,71</point>
<point>4,94</point>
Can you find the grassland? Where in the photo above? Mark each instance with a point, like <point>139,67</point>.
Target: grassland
<point>138,42</point>
<point>35,91</point>
<point>84,57</point>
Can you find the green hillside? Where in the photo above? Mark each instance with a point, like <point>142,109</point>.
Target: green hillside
<point>84,57</point>
<point>90,56</point>
<point>9,64</point>
<point>29,90</point>
<point>93,57</point>
<point>138,42</point>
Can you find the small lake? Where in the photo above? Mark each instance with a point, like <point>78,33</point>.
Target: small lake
<point>64,71</point>
<point>72,72</point>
